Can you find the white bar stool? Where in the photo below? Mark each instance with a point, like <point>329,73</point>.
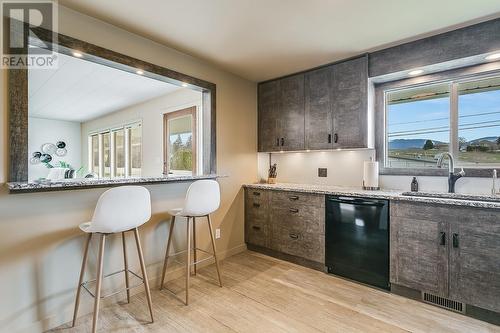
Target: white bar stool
<point>118,210</point>
<point>202,199</point>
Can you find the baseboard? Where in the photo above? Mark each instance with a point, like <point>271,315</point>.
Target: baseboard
<point>86,303</point>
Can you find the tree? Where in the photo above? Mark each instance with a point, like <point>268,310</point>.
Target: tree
<point>189,142</point>
<point>462,143</point>
<point>428,145</point>
<point>498,141</point>
<point>177,143</point>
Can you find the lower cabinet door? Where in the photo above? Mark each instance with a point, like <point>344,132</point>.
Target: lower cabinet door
<point>419,254</point>
<point>475,260</point>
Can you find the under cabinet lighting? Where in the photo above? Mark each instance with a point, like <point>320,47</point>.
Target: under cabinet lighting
<point>415,72</point>
<point>77,54</point>
<point>139,72</point>
<point>184,85</point>
<point>494,56</point>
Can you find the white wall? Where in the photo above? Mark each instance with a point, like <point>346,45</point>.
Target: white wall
<point>345,168</point>
<point>40,243</point>
<point>150,113</point>
<point>42,131</point>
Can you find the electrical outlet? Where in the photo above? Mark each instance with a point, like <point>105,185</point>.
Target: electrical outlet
<point>322,172</point>
<point>217,233</point>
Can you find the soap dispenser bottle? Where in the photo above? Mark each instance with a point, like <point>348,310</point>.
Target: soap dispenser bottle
<point>414,185</point>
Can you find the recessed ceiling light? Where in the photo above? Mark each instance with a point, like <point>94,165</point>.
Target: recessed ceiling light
<point>493,56</point>
<point>184,84</point>
<point>139,72</point>
<point>77,54</point>
<point>415,72</point>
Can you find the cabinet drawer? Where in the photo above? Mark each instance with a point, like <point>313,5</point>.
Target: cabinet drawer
<point>256,194</point>
<point>302,244</point>
<point>308,219</point>
<point>297,198</point>
<point>257,233</point>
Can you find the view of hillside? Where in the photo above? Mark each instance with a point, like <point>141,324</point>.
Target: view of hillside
<point>418,125</point>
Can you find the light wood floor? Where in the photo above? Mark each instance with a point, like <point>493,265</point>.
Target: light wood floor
<point>263,294</point>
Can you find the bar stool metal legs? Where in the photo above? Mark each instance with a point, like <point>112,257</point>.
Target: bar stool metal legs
<point>190,247</point>
<point>99,277</point>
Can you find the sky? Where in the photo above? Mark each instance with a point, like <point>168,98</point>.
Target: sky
<point>404,119</point>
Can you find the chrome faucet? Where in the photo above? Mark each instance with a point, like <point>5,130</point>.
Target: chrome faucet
<point>452,176</point>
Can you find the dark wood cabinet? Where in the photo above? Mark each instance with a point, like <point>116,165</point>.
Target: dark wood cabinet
<point>319,109</point>
<point>350,103</point>
<point>449,251</point>
<point>269,116</point>
<point>322,109</point>
<point>281,114</point>
<point>418,257</point>
<point>475,259</point>
<point>286,222</point>
<point>291,109</point>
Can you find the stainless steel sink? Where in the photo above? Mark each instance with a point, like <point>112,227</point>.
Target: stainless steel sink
<point>457,196</point>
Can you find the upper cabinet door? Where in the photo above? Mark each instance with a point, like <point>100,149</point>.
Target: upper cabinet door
<point>268,116</point>
<point>292,112</point>
<point>318,109</point>
<point>350,110</point>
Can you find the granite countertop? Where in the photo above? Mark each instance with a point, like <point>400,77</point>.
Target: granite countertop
<point>75,184</point>
<point>479,201</point>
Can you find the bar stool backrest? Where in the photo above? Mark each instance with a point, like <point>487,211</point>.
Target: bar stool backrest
<point>121,209</point>
<point>202,198</point>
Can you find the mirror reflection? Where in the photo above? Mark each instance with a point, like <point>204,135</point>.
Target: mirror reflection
<point>88,120</point>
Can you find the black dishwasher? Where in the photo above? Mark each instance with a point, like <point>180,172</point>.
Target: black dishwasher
<point>357,239</point>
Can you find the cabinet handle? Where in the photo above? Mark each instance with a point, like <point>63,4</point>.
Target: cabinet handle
<point>455,240</point>
<point>282,141</point>
<point>254,227</point>
<point>278,142</point>
<point>335,138</point>
<point>329,138</point>
<point>293,210</point>
<point>294,236</point>
<point>256,193</point>
<point>442,237</point>
<point>293,198</point>
<point>256,205</point>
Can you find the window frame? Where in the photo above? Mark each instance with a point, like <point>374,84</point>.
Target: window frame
<point>127,150</point>
<point>454,78</point>
<point>192,110</point>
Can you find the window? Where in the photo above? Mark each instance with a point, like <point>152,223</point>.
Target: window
<point>180,141</point>
<point>461,117</point>
<point>116,152</point>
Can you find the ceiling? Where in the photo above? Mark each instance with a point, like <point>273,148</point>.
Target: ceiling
<point>263,39</point>
<point>79,90</point>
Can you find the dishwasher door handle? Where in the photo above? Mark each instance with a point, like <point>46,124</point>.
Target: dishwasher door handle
<point>358,202</point>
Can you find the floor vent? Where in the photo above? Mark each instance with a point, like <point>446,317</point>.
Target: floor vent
<point>443,302</point>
